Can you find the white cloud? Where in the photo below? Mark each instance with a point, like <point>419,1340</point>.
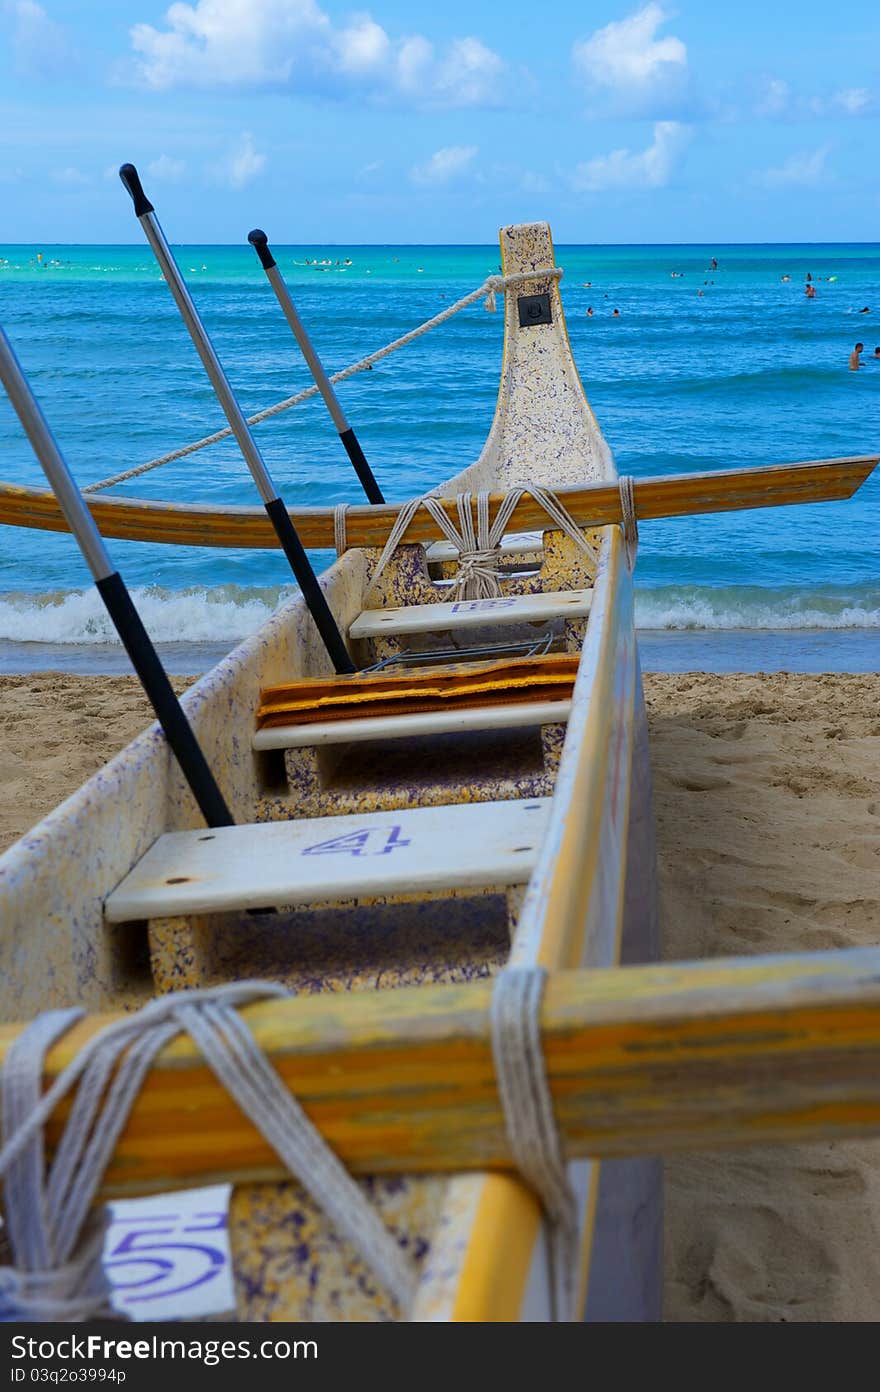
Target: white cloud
<point>39,45</point>
<point>295,44</point>
<point>650,168</point>
<point>242,163</point>
<point>166,169</point>
<point>776,101</point>
<point>71,177</point>
<point>804,170</point>
<point>627,59</point>
<point>445,165</point>
<point>849,101</point>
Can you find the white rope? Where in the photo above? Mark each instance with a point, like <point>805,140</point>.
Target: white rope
<point>530,1123</point>
<point>56,1242</point>
<point>340,537</point>
<point>491,286</point>
<point>479,554</point>
<point>55,1246</point>
<point>630,520</point>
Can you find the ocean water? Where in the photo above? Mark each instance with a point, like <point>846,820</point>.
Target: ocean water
<point>749,372</point>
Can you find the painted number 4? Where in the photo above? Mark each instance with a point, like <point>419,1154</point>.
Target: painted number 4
<point>369,842</point>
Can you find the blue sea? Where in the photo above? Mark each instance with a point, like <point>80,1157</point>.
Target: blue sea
<point>748,372</point>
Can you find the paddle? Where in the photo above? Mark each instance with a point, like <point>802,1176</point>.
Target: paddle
<point>114,593</point>
<point>275,509</point>
<point>260,243</point>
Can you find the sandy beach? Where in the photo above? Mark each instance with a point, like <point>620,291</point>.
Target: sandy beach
<point>767,793</point>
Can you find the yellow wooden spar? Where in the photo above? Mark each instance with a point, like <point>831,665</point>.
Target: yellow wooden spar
<point>414,830</point>
<point>699,1055</point>
<point>187,524</point>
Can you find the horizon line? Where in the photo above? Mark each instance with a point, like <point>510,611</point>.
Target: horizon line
<point>424,245</point>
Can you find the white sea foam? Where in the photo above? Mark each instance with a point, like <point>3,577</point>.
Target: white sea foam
<point>229,613</point>
<point>696,607</point>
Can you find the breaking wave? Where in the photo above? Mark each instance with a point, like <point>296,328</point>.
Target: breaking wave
<point>228,613</point>
<point>680,607</point>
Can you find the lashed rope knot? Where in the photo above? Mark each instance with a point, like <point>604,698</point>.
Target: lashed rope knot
<point>496,285</point>
<point>478,550</point>
<point>56,1240</point>
<point>626,484</point>
<point>530,1122</point>
<point>57,1272</point>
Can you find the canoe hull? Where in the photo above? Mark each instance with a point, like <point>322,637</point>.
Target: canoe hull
<point>478,1237</point>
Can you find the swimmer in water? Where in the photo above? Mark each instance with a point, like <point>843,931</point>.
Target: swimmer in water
<point>590,312</point>
<point>810,292</point>
<point>615,314</point>
<point>854,359</point>
<point>877,354</point>
<point>785,278</point>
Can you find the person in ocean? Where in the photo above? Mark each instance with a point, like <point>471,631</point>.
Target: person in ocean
<point>855,361</point>
<point>810,291</point>
<point>615,314</point>
<point>590,312</point>
<point>877,354</point>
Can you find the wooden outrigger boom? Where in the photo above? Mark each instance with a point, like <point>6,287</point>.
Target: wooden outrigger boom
<point>650,1059</point>
<point>724,490</point>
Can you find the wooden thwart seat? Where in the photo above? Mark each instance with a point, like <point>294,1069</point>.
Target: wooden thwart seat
<point>424,849</point>
<point>472,613</point>
<point>441,722</point>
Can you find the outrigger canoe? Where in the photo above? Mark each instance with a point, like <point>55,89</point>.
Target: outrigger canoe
<point>477,796</point>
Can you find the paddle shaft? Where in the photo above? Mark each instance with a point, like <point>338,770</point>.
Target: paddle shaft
<point>114,593</point>
<point>260,243</point>
<point>275,509</point>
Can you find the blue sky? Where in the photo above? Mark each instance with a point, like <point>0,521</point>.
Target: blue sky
<point>617,122</point>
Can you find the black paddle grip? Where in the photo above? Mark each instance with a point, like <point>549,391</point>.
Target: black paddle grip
<point>132,181</point>
<point>178,731</point>
<point>308,583</point>
<point>361,467</point>
<point>260,243</point>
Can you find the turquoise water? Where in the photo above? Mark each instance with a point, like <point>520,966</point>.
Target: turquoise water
<point>750,372</point>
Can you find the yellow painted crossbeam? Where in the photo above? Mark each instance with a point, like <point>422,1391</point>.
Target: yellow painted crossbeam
<point>640,1059</point>
<point>726,490</point>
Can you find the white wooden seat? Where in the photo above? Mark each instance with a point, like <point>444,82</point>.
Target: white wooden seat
<point>424,849</point>
<point>472,613</point>
<point>514,544</point>
<point>507,717</point>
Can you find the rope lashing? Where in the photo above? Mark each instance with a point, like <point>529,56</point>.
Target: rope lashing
<point>56,1240</point>
<point>57,1254</point>
<point>530,1122</point>
<point>340,538</point>
<point>630,520</point>
<point>479,553</point>
<point>492,286</point>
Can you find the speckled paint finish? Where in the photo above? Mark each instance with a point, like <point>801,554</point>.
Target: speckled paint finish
<point>55,948</point>
<point>476,766</point>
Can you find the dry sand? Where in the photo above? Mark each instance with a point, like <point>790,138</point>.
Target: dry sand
<point>767,793</point>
